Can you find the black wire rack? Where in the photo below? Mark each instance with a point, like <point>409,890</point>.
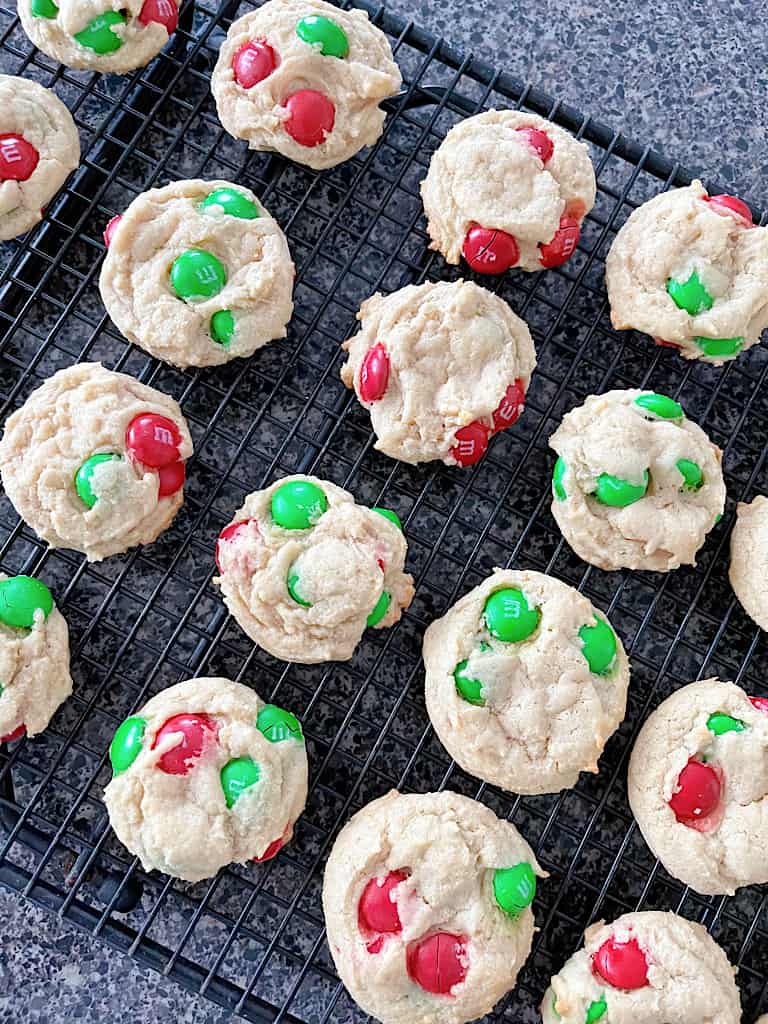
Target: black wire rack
<point>252,939</point>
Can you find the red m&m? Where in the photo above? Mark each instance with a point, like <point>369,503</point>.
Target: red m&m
<point>195,731</point>
<point>18,158</point>
<point>622,964</point>
<point>164,12</point>
<point>254,62</point>
<point>563,244</point>
<point>489,250</point>
<point>697,794</point>
<point>438,963</point>
<point>272,850</point>
<point>734,207</point>
<point>171,479</point>
<point>153,440</point>
<point>761,703</point>
<point>666,344</point>
<point>471,443</point>
<point>538,141</point>
<point>228,535</point>
<point>374,373</point>
<point>110,229</point>
<point>509,408</point>
<point>311,116</point>
<point>17,733</point>
<point>377,912</point>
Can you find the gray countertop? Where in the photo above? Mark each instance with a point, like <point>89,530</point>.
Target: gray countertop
<point>688,76</point>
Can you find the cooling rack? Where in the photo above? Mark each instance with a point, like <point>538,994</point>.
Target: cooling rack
<point>252,938</point>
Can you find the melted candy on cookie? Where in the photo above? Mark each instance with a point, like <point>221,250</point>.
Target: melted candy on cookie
<point>109,230</point>
<point>622,964</point>
<point>254,62</point>
<point>510,407</point>
<point>438,963</point>
<point>228,535</point>
<point>195,731</point>
<point>374,373</point>
<point>489,250</point>
<point>311,117</point>
<point>17,733</point>
<point>18,158</point>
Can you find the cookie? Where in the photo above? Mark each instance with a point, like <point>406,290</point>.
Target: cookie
<point>100,35</point>
<point>304,570</point>
<point>427,901</point>
<point>34,657</point>
<point>749,559</point>
<point>636,484</point>
<point>442,367</point>
<point>204,775</point>
<point>305,79</point>
<point>692,271</point>
<point>197,273</point>
<point>649,967</point>
<point>508,189</point>
<point>39,146</point>
<point>698,786</point>
<point>94,461</point>
<point>525,682</point>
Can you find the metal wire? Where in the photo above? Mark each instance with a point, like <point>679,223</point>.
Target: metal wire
<point>252,939</point>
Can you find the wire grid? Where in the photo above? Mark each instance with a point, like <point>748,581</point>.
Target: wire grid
<point>252,939</point>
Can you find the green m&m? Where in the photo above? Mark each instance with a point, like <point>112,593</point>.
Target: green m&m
<point>693,478</point>
<point>298,505</point>
<point>380,609</point>
<point>197,274</point>
<point>20,598</point>
<point>660,405</point>
<point>558,475</point>
<point>325,34</point>
<point>44,9</point>
<point>720,723</point>
<point>277,724</point>
<point>292,587</point>
<point>98,35</point>
<point>222,327</point>
<point>596,1010</point>
<point>514,888</point>
<point>236,776</point>
<point>598,646</point>
<point>618,493</point>
<point>690,295</point>
<point>393,517</point>
<point>84,477</point>
<point>719,346</point>
<point>509,617</point>
<point>467,687</point>
<point>233,202</point>
<point>127,743</point>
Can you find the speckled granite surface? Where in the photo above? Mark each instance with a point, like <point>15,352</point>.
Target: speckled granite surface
<point>689,76</point>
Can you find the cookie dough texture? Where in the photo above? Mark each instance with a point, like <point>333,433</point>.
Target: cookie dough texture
<point>749,559</point>
<point>450,846</point>
<point>56,36</point>
<point>164,223</point>
<point>34,672</point>
<point>78,412</point>
<point>337,565</point>
<point>729,851</point>
<point>485,173</point>
<point>666,527</point>
<point>690,980</point>
<point>180,824</point>
<point>670,237</point>
<point>454,349</point>
<point>355,84</point>
<point>546,716</point>
<point>38,115</point>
